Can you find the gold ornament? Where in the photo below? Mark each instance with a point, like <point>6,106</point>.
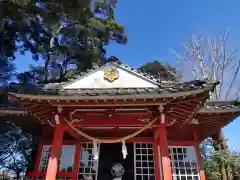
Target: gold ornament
<point>111,74</point>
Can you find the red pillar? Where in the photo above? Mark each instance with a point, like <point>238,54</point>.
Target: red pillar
<point>199,157</point>
<point>55,153</point>
<point>166,165</point>
<point>156,160</point>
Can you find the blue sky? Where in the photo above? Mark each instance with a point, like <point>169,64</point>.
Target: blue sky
<point>154,27</point>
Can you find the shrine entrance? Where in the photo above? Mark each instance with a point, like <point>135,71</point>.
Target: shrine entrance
<point>110,155</point>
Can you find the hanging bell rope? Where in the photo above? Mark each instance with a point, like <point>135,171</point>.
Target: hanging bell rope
<point>108,141</point>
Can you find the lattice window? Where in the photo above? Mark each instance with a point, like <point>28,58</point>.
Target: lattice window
<point>87,166</point>
<point>66,159</point>
<point>44,159</point>
<point>184,163</point>
<point>144,161</point>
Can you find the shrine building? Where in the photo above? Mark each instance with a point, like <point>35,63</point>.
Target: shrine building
<point>115,122</point>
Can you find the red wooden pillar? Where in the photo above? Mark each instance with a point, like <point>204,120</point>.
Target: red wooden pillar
<point>199,157</point>
<point>38,157</point>
<point>156,160</point>
<point>55,153</point>
<point>166,164</point>
<point>76,161</point>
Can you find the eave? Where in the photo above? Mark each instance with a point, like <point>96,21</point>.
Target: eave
<point>215,115</point>
<point>44,107</point>
<point>182,105</point>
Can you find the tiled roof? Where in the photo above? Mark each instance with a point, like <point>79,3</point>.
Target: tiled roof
<point>56,89</point>
<point>125,66</point>
<point>220,107</point>
<point>163,88</point>
<point>164,91</point>
<point>95,67</point>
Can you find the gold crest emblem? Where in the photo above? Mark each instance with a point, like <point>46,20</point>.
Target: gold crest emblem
<point>111,74</point>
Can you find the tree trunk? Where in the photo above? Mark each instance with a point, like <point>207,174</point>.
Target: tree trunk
<point>2,20</point>
<point>222,145</point>
<point>223,172</point>
<point>229,172</point>
<point>46,68</point>
<point>18,176</point>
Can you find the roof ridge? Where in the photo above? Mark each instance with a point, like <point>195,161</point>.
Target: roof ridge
<point>138,71</point>
<point>123,65</point>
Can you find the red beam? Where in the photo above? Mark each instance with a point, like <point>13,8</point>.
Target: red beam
<point>74,142</point>
<point>102,103</point>
<point>81,139</point>
<point>123,121</point>
<point>181,143</point>
<point>65,142</point>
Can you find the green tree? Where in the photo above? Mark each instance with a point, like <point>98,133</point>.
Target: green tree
<point>25,24</point>
<point>74,45</point>
<point>160,70</point>
<point>16,147</point>
<point>85,37</point>
<point>230,159</point>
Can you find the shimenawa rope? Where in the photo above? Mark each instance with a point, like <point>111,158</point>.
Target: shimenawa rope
<point>111,140</point>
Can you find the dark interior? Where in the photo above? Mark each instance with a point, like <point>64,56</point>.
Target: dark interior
<point>111,154</point>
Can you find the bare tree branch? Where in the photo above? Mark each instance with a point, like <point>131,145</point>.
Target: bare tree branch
<point>210,58</point>
<point>233,80</point>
